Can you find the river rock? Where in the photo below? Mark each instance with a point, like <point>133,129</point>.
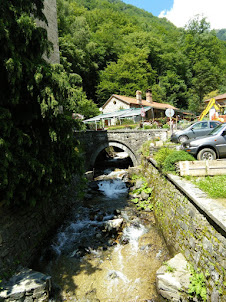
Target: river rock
<point>125,178</point>
<point>27,285</point>
<point>139,183</point>
<point>113,225</point>
<point>144,195</point>
<point>93,185</point>
<point>89,175</point>
<point>174,285</point>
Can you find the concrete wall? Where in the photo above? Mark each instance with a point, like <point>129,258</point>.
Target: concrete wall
<point>50,11</point>
<point>198,233</point>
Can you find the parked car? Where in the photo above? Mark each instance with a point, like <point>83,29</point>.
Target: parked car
<point>197,129</point>
<point>208,147</point>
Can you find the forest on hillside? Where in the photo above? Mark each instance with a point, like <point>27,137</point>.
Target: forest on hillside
<point>117,48</point>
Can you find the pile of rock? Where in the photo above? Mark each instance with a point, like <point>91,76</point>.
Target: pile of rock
<point>27,286</point>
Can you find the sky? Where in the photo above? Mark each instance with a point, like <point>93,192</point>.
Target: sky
<point>179,12</point>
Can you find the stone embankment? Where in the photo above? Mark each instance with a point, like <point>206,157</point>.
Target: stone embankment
<point>192,224</point>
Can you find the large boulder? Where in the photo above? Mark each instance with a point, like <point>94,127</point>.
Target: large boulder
<point>173,279</point>
<point>27,285</point>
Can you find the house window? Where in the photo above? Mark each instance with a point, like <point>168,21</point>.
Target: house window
<point>114,102</point>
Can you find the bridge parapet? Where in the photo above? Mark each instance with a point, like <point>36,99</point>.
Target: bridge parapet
<point>93,142</point>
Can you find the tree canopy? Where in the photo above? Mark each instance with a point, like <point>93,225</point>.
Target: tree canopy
<point>38,151</point>
<point>118,48</point>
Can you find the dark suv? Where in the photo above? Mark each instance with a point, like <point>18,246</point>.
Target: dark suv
<point>208,147</point>
<point>197,129</point>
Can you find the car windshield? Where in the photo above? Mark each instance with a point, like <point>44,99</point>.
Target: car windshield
<point>217,129</point>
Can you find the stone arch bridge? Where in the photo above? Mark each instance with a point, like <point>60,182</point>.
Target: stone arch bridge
<point>130,141</point>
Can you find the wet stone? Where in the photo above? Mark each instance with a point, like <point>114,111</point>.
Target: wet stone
<point>110,258</point>
<point>25,283</point>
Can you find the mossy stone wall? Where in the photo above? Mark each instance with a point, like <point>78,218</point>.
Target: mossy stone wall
<point>188,230</point>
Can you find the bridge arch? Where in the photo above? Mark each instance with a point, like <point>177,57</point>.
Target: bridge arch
<point>114,144</point>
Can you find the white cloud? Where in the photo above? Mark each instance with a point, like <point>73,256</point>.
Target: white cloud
<point>184,10</point>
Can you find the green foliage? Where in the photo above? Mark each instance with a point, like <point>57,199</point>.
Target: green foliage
<point>131,72</point>
<point>221,34</point>
<point>118,48</point>
<point>166,126</point>
<point>204,52</point>
<point>169,268</point>
<point>174,157</point>
<point>39,153</point>
<point>161,155</point>
<point>145,149</point>
<point>144,188</point>
<point>146,127</point>
<point>143,204</point>
<point>197,286</point>
<point>214,186</point>
<point>127,122</point>
<point>134,177</point>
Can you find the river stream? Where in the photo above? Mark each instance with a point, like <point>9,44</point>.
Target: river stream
<point>108,250</point>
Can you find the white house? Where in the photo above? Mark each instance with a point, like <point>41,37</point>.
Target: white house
<point>119,102</point>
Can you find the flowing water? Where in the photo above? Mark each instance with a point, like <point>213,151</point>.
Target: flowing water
<point>108,251</point>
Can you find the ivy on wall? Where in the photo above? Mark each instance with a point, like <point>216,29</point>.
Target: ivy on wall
<point>38,153</point>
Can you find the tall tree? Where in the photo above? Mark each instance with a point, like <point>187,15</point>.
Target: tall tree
<point>131,72</point>
<point>95,35</point>
<point>37,147</point>
<point>203,50</point>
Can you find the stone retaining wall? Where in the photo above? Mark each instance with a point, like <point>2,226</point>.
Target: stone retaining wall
<point>23,230</point>
<point>191,230</point>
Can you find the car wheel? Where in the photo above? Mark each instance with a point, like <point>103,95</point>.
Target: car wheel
<point>182,138</point>
<point>206,154</point>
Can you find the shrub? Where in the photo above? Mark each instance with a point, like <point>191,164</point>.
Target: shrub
<point>145,149</point>
<point>161,155</point>
<point>148,127</point>
<point>174,157</point>
<point>166,126</point>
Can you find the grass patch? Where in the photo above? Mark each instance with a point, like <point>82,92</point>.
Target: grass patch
<point>214,186</point>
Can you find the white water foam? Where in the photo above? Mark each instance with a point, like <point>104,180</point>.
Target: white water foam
<point>133,234</point>
<point>73,233</point>
<point>112,188</point>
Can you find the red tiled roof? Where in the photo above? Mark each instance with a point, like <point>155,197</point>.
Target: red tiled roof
<point>133,101</point>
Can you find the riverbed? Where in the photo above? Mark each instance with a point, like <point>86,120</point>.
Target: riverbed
<point>107,250</point>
